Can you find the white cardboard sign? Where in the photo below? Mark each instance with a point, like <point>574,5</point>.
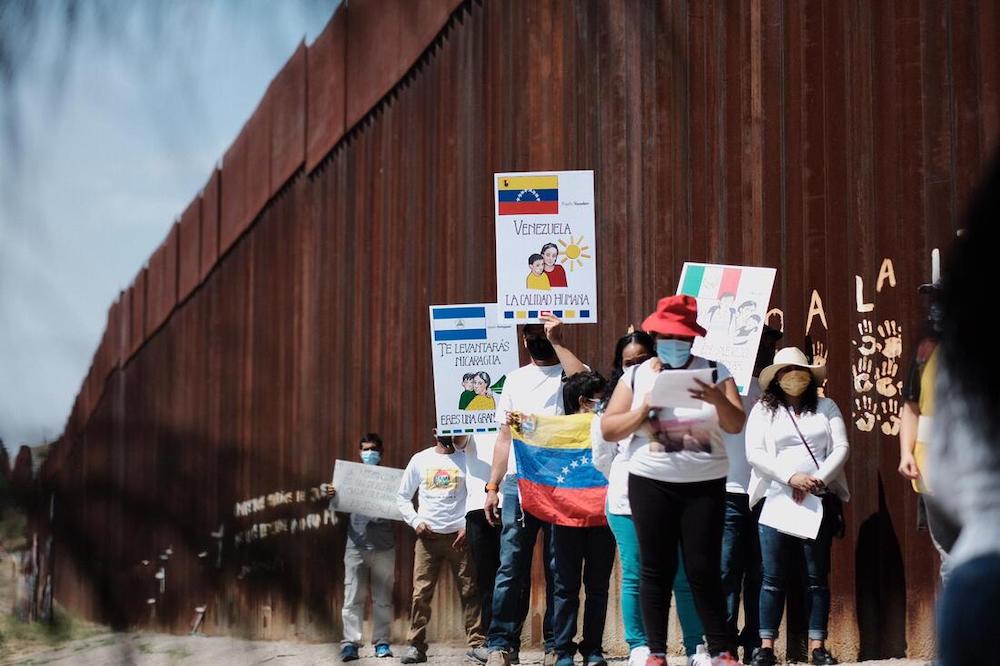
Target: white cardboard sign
<point>546,246</point>
<point>367,490</point>
<point>732,307</point>
<point>472,355</point>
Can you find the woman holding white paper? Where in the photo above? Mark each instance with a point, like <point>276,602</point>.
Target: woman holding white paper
<point>677,476</point>
<point>797,445</point>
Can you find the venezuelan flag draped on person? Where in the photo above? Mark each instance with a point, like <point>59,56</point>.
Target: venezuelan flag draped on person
<point>557,479</point>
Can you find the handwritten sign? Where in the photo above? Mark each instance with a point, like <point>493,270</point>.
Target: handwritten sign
<point>472,356</point>
<point>368,490</point>
<point>732,306</point>
<point>546,248</point>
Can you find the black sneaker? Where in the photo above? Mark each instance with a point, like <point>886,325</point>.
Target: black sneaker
<point>822,657</point>
<point>763,656</point>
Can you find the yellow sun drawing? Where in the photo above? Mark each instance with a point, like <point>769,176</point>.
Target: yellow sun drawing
<point>573,252</point>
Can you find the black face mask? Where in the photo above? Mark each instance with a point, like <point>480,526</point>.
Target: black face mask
<point>540,349</point>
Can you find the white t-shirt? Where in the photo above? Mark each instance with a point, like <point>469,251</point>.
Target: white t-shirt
<point>531,389</point>
<point>439,481</point>
<point>694,430</point>
<point>964,471</point>
<point>611,459</point>
<point>776,451</point>
<point>478,460</point>
<point>738,478</point>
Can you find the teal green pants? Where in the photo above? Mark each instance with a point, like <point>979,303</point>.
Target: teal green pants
<point>628,552</point>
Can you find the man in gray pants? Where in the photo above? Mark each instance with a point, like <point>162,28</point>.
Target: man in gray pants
<point>369,556</point>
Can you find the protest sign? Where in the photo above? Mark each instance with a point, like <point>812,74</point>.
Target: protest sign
<point>732,307</point>
<point>368,490</point>
<point>472,355</point>
<point>546,246</point>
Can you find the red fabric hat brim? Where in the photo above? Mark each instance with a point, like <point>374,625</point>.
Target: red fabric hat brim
<point>657,323</point>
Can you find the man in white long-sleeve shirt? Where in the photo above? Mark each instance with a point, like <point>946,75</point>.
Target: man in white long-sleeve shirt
<point>437,476</point>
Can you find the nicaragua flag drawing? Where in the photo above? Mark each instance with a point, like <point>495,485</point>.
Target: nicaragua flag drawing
<point>458,323</point>
<point>556,475</point>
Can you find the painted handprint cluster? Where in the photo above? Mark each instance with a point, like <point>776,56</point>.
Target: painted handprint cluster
<point>876,373</point>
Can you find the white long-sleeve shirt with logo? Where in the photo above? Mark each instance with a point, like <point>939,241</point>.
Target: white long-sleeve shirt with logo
<point>438,479</point>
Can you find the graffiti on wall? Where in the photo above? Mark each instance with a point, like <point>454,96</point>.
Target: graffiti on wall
<point>878,345</point>
<point>290,502</point>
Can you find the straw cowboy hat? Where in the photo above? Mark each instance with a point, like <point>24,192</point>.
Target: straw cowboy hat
<point>791,357</point>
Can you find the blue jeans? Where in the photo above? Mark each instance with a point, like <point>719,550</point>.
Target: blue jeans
<point>580,555</point>
<point>967,618</point>
<point>816,553</point>
<point>741,567</point>
<point>512,590</point>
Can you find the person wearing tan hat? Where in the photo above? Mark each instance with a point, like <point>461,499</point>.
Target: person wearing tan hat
<point>677,477</point>
<point>797,439</point>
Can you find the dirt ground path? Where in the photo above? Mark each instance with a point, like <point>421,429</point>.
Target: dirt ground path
<point>156,649</point>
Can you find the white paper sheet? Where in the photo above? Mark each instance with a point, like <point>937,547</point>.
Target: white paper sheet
<point>788,517</point>
<point>671,388</point>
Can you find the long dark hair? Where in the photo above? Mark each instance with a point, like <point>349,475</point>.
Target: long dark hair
<point>774,397</point>
<point>967,293</point>
<point>640,338</point>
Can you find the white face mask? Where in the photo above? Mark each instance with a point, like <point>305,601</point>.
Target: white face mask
<point>674,353</point>
<point>371,457</point>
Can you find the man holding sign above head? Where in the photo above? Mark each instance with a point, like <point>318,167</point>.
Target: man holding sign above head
<point>535,388</point>
<point>437,475</point>
<point>369,555</point>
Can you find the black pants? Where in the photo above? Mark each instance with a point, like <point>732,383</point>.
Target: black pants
<point>484,544</point>
<point>692,515</point>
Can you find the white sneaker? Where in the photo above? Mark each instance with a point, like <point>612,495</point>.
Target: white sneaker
<point>638,656</point>
<point>700,658</point>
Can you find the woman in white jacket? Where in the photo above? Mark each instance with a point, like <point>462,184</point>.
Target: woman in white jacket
<point>796,442</point>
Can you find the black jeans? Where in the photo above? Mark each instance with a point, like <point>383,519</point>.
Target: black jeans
<point>580,555</point>
<point>484,544</point>
<point>692,515</point>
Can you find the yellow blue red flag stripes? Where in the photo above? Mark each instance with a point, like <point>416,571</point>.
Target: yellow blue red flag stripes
<point>556,476</point>
<point>528,195</point>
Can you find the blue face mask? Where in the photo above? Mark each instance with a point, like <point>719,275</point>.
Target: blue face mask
<point>674,353</point>
<point>371,457</point>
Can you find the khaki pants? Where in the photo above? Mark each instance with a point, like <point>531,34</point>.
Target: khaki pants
<point>431,551</point>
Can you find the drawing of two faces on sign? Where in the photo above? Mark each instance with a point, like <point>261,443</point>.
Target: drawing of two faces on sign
<point>545,273</point>
<point>738,323</point>
<point>477,392</point>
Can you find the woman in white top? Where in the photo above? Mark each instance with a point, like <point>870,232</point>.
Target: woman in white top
<point>612,459</point>
<point>797,444</point>
<point>677,476</point>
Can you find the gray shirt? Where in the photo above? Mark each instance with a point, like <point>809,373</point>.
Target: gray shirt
<point>367,533</point>
<point>364,533</point>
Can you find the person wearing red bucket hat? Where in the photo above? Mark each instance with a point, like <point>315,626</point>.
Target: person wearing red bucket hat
<point>677,477</point>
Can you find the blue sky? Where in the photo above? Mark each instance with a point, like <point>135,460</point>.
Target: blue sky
<point>111,148</point>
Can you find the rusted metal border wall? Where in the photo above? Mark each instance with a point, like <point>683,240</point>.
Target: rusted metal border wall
<point>834,141</point>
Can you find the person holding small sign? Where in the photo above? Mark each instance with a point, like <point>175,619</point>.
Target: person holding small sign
<point>437,475</point>
<point>796,442</point>
<point>369,555</point>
